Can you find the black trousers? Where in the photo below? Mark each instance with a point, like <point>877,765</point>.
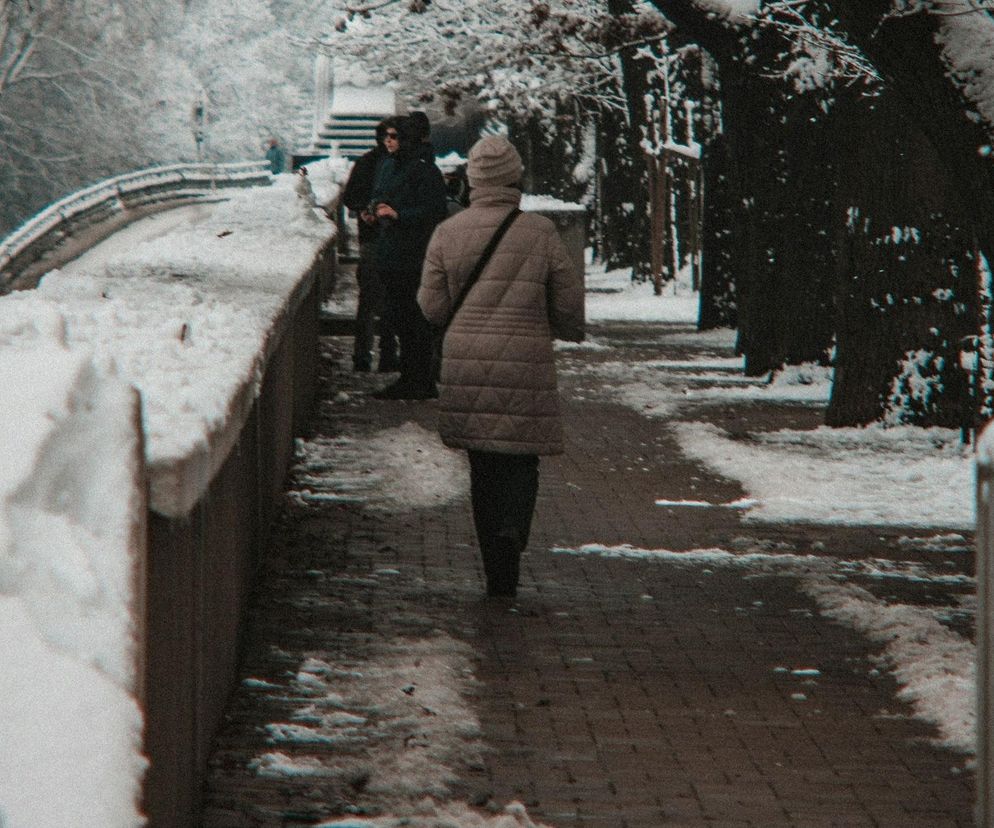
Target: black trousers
<point>413,332</point>
<point>503,488</point>
<point>370,308</point>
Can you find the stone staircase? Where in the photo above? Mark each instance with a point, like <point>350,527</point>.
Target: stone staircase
<point>350,127</point>
<point>350,135</point>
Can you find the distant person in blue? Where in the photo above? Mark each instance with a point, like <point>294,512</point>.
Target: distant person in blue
<point>356,197</point>
<point>276,157</point>
<point>408,202</point>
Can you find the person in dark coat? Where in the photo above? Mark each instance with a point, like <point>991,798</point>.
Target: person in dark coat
<point>420,129</point>
<point>409,201</point>
<point>356,197</point>
<point>456,189</point>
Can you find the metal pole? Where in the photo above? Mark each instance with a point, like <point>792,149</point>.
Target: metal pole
<point>985,631</point>
<point>322,95</point>
<point>199,122</point>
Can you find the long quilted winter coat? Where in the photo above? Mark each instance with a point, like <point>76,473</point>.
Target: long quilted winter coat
<point>497,390</point>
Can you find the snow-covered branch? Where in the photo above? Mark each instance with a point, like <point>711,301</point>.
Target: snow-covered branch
<point>819,53</point>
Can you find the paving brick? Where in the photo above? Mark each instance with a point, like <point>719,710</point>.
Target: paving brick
<point>597,706</point>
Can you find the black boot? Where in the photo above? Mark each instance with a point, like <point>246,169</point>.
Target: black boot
<point>388,362</point>
<point>403,389</point>
<point>502,566</point>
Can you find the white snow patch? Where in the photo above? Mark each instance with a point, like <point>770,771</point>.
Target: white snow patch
<point>404,722</point>
<point>203,286</point>
<point>402,467</point>
<point>70,501</point>
<point>537,203</point>
<point>431,814</point>
<point>613,296</point>
<point>659,388</point>
<point>896,476</point>
<point>934,665</point>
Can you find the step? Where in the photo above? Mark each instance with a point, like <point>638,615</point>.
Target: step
<point>333,325</point>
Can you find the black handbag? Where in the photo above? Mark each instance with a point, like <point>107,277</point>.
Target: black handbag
<point>438,331</point>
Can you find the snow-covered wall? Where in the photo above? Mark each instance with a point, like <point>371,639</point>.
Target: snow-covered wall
<point>71,548</point>
<point>184,314</point>
<point>129,377</point>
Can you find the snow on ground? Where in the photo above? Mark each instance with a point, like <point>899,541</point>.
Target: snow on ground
<point>429,814</point>
<point>873,476</point>
<point>411,691</point>
<point>612,295</point>
<point>659,388</point>
<point>398,468</point>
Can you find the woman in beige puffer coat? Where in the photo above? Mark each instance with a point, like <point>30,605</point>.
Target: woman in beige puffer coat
<point>497,390</point>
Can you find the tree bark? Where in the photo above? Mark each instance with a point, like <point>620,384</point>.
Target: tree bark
<point>908,276</point>
<point>765,230</point>
<point>952,203</point>
<point>779,180</point>
<point>619,179</point>
<point>635,86</point>
<point>718,307</point>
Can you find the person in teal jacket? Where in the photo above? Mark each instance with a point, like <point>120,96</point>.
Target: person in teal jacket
<point>276,157</point>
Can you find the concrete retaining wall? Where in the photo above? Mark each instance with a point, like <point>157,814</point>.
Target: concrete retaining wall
<point>571,221</point>
<point>165,466</point>
<point>201,566</point>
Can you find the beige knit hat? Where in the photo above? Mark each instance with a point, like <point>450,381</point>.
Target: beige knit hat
<point>493,162</point>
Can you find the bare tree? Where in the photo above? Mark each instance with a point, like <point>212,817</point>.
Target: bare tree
<point>92,88</point>
<point>547,70</point>
<point>54,79</point>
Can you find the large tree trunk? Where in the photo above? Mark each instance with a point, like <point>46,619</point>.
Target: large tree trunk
<point>658,204</point>
<point>769,229</point>
<point>619,180</point>
<point>687,216</point>
<point>635,87</point>
<point>803,271</point>
<point>908,292</point>
<point>780,180</point>
<point>718,308</point>
<point>957,184</point>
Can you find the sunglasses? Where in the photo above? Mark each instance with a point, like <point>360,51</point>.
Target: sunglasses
<point>391,135</point>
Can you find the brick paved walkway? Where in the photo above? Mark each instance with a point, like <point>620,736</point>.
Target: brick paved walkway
<point>614,693</point>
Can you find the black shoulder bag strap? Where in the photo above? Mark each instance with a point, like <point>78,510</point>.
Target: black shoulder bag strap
<point>478,269</point>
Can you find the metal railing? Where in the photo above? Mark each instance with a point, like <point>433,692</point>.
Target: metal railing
<point>115,196</point>
<point>985,631</point>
